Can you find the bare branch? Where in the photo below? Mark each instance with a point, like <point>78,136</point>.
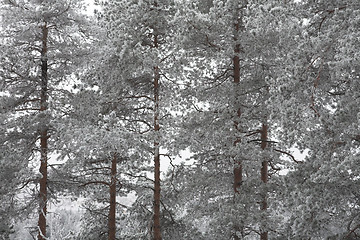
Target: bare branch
<point>352,231</point>
<point>170,214</point>
<point>261,140</point>
<point>288,154</point>
<point>138,176</point>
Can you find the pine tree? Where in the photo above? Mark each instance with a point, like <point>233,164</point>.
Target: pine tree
<point>143,46</point>
<point>38,46</point>
<point>232,73</point>
<point>97,147</point>
<point>322,75</point>
<point>237,83</point>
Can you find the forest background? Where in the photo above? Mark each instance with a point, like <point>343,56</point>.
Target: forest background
<point>176,119</point>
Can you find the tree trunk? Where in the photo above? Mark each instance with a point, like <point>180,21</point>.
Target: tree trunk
<point>112,210</point>
<point>157,225</point>
<point>43,138</point>
<point>238,164</point>
<point>264,176</point>
<point>236,73</point>
<point>157,229</point>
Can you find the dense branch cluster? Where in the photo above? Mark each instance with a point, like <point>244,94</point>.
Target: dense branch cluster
<point>176,119</point>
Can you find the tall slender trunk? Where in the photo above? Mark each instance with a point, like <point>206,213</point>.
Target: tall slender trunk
<point>157,225</point>
<point>112,210</point>
<point>157,228</point>
<point>43,138</point>
<point>236,74</point>
<point>264,176</point>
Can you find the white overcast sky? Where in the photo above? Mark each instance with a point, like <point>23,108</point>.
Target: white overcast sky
<point>91,7</point>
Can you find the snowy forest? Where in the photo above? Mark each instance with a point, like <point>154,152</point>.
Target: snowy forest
<point>180,119</point>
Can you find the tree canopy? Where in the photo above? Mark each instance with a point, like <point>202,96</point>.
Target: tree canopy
<point>102,108</point>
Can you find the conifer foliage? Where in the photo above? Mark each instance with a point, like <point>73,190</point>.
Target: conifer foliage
<point>40,48</point>
<point>92,109</point>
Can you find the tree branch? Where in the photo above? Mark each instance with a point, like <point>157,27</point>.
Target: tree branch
<point>170,214</point>
<point>288,154</point>
<point>96,182</point>
<point>261,140</point>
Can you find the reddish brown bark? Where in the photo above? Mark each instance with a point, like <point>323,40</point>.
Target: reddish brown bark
<point>157,228</point>
<point>43,139</point>
<point>157,225</point>
<point>238,164</point>
<point>236,72</point>
<point>264,174</point>
<point>236,75</point>
<point>112,210</point>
